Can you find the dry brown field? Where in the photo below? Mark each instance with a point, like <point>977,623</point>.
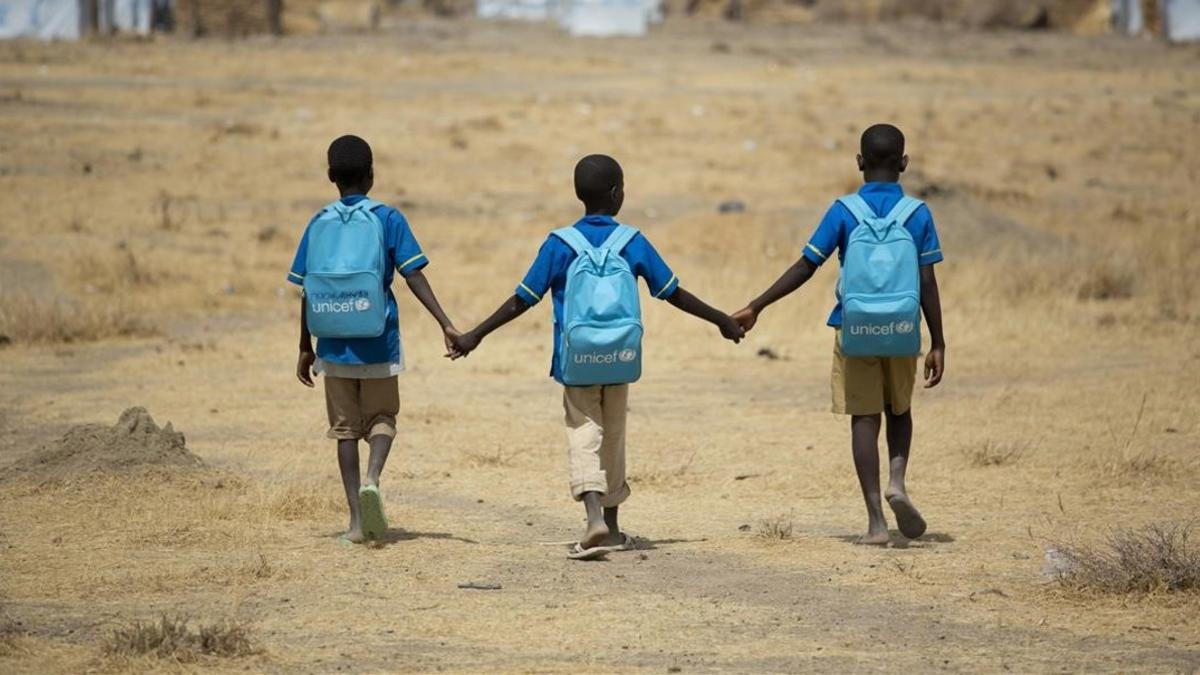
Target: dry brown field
<point>153,194</point>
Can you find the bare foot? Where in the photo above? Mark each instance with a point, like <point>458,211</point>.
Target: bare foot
<point>596,533</point>
<point>874,539</point>
<point>354,535</point>
<point>613,539</point>
<point>908,518</point>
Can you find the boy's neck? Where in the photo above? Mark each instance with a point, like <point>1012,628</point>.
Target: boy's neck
<point>351,191</point>
<point>606,211</point>
<point>881,176</point>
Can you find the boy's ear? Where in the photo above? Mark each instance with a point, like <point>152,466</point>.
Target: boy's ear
<point>859,160</point>
<point>903,163</point>
<point>329,173</point>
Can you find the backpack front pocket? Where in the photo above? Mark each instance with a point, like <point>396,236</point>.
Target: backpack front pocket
<point>345,305</point>
<point>881,325</point>
<point>595,353</point>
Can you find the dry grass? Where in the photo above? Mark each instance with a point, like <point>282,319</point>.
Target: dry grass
<point>776,528</point>
<point>32,319</point>
<point>1152,559</point>
<point>175,638</point>
<point>298,501</point>
<point>660,477</point>
<point>997,452</point>
<point>499,458</point>
<point>11,637</point>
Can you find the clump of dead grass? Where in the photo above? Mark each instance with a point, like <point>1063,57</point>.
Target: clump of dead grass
<point>498,458</point>
<point>1107,280</point>
<point>776,528</point>
<point>1153,559</point>
<point>57,319</point>
<point>11,636</point>
<point>1123,464</point>
<point>665,476</point>
<point>176,638</point>
<point>997,453</point>
<point>298,501</point>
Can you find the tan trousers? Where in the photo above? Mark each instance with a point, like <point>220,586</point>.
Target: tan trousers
<point>595,418</point>
<point>362,408</point>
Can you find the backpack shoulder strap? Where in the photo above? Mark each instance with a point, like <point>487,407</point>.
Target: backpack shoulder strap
<point>619,238</point>
<point>858,207</point>
<point>573,238</point>
<point>904,209</point>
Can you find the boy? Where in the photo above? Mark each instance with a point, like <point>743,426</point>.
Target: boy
<point>595,415</point>
<point>865,387</point>
<point>362,396</point>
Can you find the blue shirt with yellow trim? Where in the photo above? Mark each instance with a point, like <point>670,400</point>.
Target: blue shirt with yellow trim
<point>834,231</point>
<point>403,254</point>
<point>549,271</point>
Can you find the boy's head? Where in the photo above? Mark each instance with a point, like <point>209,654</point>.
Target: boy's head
<point>351,165</point>
<point>600,184</point>
<point>881,152</point>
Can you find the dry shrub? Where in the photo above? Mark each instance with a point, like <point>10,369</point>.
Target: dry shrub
<point>492,459</point>
<point>119,270</point>
<point>35,319</point>
<point>776,528</point>
<point>176,639</point>
<point>997,453</point>
<point>1139,468</point>
<point>1107,281</point>
<point>1152,559</point>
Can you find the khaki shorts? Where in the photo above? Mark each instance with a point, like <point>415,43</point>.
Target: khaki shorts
<point>362,408</point>
<point>863,385</point>
<point>595,418</point>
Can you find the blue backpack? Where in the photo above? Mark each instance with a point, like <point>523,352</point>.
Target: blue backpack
<point>880,282</point>
<point>602,316</point>
<point>346,263</point>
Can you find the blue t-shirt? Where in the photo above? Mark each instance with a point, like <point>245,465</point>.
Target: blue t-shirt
<point>549,271</point>
<point>834,231</point>
<point>403,254</point>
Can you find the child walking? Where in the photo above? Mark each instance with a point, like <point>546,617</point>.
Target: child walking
<point>346,262</point>
<point>887,271</point>
<point>589,270</point>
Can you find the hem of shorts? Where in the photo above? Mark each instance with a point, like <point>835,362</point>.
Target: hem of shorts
<point>578,489</point>
<point>344,435</point>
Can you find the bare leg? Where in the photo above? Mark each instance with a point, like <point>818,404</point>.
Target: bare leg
<point>864,435</point>
<point>597,530</point>
<point>899,438</point>
<point>381,445</point>
<point>348,464</point>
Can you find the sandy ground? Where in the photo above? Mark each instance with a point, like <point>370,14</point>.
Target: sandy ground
<point>165,184</point>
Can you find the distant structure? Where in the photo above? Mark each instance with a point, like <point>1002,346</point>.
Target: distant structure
<point>591,18</point>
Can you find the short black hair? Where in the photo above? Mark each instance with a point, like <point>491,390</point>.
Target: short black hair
<point>595,178</point>
<point>350,160</point>
<point>882,147</point>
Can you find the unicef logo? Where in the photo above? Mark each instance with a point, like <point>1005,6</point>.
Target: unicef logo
<point>904,326</point>
<point>627,355</point>
<point>362,304</point>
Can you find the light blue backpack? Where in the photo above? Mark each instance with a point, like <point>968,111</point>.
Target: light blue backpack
<point>880,282</point>
<point>602,316</point>
<point>344,282</point>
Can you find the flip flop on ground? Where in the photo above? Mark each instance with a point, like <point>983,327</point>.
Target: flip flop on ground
<point>908,518</point>
<point>578,552</point>
<point>374,522</point>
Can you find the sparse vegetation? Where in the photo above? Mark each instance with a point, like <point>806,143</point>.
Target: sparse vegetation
<point>1152,559</point>
<point>997,453</point>
<point>10,637</point>
<point>663,476</point>
<point>499,458</point>
<point>1123,464</point>
<point>35,319</point>
<point>294,501</point>
<point>177,639</point>
<point>776,528</point>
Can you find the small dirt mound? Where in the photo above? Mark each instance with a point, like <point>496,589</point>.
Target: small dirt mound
<point>135,441</point>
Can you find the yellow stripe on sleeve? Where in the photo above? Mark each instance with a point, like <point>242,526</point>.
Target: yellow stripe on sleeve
<point>936,250</point>
<point>530,291</point>
<point>410,261</point>
<point>665,286</point>
<point>816,250</point>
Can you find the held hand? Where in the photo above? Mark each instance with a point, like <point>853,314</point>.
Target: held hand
<point>935,365</point>
<point>731,330</point>
<point>450,334</point>
<point>464,344</point>
<point>304,368</point>
<point>746,318</point>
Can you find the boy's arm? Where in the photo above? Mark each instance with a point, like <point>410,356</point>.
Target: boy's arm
<point>467,342</point>
<point>419,285</point>
<point>931,305</point>
<point>730,330</point>
<point>792,279</point>
<point>307,357</point>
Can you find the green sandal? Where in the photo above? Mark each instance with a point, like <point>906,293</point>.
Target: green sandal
<point>374,522</point>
